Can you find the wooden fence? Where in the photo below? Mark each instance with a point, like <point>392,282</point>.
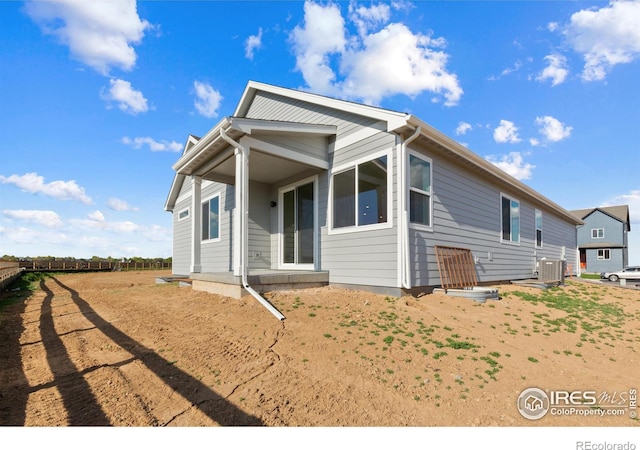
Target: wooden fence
<point>88,266</point>
<point>9,271</point>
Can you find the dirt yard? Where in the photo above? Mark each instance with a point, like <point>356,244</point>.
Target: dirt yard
<point>119,349</point>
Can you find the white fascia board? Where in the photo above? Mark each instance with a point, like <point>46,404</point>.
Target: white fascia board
<point>176,185</point>
<point>394,119</point>
<point>197,149</point>
<point>250,126</point>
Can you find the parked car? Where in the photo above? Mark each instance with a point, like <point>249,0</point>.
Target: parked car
<point>630,273</point>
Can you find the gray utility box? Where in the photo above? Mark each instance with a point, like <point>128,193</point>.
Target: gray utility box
<point>551,270</point>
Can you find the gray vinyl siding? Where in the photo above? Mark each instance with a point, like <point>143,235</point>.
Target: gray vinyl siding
<point>181,262</point>
<point>217,256</point>
<point>271,106</point>
<point>259,226</point>
<point>181,239</point>
<point>364,257</point>
<point>613,230</point>
<point>315,146</point>
<point>467,214</point>
<point>611,265</point>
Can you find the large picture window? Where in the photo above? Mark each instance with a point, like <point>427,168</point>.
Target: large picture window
<point>419,190</point>
<point>510,220</point>
<point>360,194</point>
<point>211,219</point>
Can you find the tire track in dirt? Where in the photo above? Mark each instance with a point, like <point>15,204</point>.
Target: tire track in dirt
<point>97,374</point>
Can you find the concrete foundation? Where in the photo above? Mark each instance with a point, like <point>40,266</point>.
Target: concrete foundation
<point>225,283</point>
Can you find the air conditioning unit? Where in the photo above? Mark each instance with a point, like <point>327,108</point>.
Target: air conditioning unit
<point>551,270</point>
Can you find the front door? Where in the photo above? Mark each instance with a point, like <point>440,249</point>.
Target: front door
<point>298,226</point>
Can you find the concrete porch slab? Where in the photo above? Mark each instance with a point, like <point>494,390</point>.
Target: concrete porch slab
<point>229,285</point>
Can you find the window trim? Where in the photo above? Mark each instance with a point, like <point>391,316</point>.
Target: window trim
<point>510,241</point>
<point>597,232</point>
<point>353,165</point>
<point>535,225</point>
<point>202,203</point>
<point>604,253</point>
<point>188,214</point>
<point>409,188</point>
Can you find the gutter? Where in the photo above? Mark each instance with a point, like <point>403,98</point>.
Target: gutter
<point>405,276</point>
<point>242,191</point>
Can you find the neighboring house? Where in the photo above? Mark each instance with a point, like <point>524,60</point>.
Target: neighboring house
<point>603,239</point>
<point>295,181</point>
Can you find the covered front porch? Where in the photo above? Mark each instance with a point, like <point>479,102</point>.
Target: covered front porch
<point>263,226</point>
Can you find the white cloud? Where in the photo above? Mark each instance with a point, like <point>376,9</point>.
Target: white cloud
<point>129,100</point>
<point>552,26</point>
<point>154,146</point>
<point>514,165</point>
<point>462,128</point>
<point>534,142</point>
<point>506,132</point>
<point>556,71</point>
<point>49,219</point>
<point>253,42</point>
<point>120,205</point>
<point>23,235</point>
<point>323,34</point>
<point>97,216</point>
<point>61,190</point>
<point>207,99</point>
<point>367,18</point>
<point>552,129</point>
<point>632,199</point>
<point>97,221</point>
<point>605,37</point>
<point>99,33</point>
<point>373,64</point>
<point>516,66</point>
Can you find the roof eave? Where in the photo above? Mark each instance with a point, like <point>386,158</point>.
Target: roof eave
<point>196,150</point>
<point>463,152</point>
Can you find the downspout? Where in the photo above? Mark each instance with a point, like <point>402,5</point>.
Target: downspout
<point>404,216</point>
<point>243,185</point>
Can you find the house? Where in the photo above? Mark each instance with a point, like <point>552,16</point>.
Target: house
<point>296,187</point>
<point>603,239</point>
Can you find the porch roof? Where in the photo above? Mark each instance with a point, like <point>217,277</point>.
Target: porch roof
<point>211,157</point>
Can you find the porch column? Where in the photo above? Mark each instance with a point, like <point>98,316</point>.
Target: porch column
<point>196,224</point>
<point>237,217</point>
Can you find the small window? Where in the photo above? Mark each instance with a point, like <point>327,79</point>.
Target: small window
<point>360,195</point>
<point>183,214</point>
<point>419,190</point>
<point>597,233</point>
<point>604,254</point>
<point>211,219</point>
<point>510,220</point>
<point>538,228</point>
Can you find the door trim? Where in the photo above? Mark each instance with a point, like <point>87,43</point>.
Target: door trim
<point>281,191</point>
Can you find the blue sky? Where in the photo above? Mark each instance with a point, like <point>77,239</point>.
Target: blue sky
<point>97,98</point>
